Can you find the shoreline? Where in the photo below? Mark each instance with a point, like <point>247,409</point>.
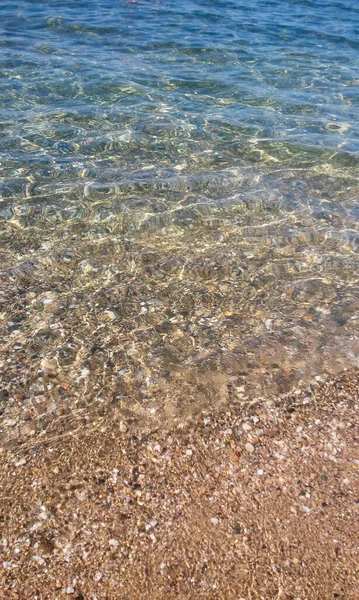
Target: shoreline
<point>258,501</point>
<point>161,324</point>
<point>179,300</point>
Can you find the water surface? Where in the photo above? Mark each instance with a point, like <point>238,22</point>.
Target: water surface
<point>178,198</point>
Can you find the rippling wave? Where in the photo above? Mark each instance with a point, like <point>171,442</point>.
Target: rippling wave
<point>201,159</point>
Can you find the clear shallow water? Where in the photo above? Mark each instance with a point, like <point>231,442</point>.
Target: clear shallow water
<point>109,99</point>
<point>202,156</point>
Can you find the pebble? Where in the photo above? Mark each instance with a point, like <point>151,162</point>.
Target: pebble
<point>214,520</point>
<point>88,268</point>
<point>259,432</point>
<point>27,431</point>
<point>84,373</point>
<point>249,447</point>
<point>109,314</point>
<point>49,298</point>
<point>151,525</point>
<point>123,427</point>
<point>48,365</point>
<point>254,440</point>
<point>246,427</point>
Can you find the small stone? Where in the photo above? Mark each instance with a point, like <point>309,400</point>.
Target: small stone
<point>4,395</point>
<point>26,431</point>
<point>48,365</point>
<point>189,452</point>
<point>246,427</point>
<point>259,432</point>
<point>151,525</point>
<point>83,374</point>
<point>70,590</point>
<point>110,315</point>
<point>123,427</point>
<point>249,447</point>
<point>50,297</point>
<point>238,529</point>
<point>87,268</point>
<point>254,440</point>
<point>214,520</point>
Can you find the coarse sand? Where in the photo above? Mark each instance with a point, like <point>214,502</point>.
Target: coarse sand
<point>252,502</point>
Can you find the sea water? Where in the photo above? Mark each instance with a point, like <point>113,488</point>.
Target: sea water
<point>178,199</point>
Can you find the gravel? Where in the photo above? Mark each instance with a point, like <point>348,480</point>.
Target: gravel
<point>99,513</point>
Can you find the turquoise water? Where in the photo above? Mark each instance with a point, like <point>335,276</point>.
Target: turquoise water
<point>199,158</point>
<point>162,97</point>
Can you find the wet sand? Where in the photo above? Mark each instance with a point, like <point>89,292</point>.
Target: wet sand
<point>258,500</point>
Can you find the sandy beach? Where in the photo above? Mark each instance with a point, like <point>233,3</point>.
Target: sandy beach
<point>260,501</point>
<point>179,300</point>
